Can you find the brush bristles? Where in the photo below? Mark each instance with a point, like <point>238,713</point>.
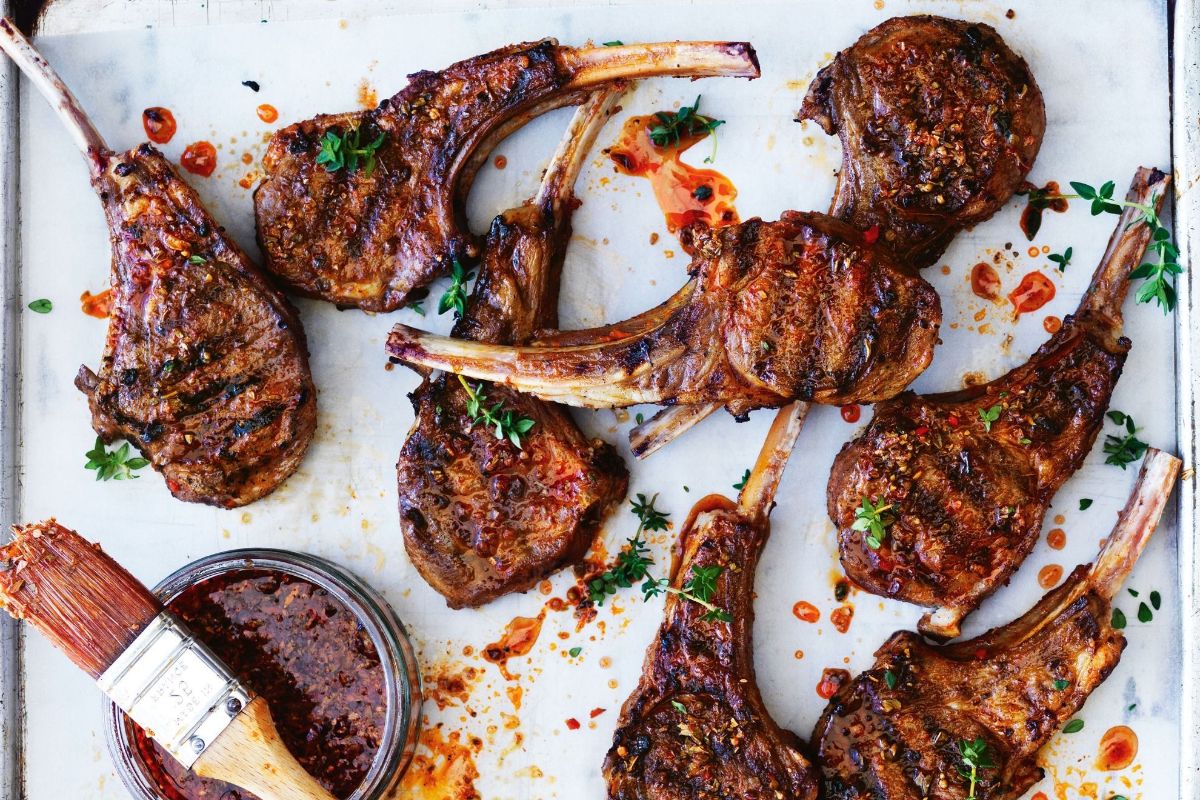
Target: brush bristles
<point>85,603</point>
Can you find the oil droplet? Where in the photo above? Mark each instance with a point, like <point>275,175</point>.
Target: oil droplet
<point>96,305</point>
<point>1034,291</point>
<point>1049,576</point>
<point>159,124</point>
<point>840,617</point>
<point>851,413</point>
<point>806,612</point>
<point>985,282</point>
<point>1057,539</point>
<point>500,162</point>
<point>267,112</point>
<point>199,158</point>
<point>799,654</point>
<point>1118,748</point>
<point>1052,324</point>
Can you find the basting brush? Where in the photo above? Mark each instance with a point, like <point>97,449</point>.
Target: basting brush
<point>145,659</point>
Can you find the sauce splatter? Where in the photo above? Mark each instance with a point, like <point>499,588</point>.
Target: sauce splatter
<point>1052,324</point>
<point>572,724</point>
<point>1031,217</point>
<point>831,681</point>
<point>985,282</point>
<point>686,194</point>
<point>96,305</point>
<point>1118,748</point>
<point>159,124</point>
<point>1034,291</point>
<point>267,112</point>
<point>806,612</point>
<point>840,617</point>
<point>1049,576</point>
<point>368,98</point>
<point>1040,796</point>
<point>1057,538</point>
<point>199,158</point>
<point>500,162</point>
<point>443,767</point>
<point>519,637</point>
<point>851,413</point>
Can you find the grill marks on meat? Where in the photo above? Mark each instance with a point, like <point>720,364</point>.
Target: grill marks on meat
<point>802,308</point>
<point>899,737</point>
<point>369,240</point>
<point>939,123</point>
<point>695,727</point>
<point>480,516</point>
<point>968,503</point>
<point>205,366</point>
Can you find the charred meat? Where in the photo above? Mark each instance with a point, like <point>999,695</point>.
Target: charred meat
<point>481,515</point>
<point>802,308</point>
<point>695,728</point>
<point>939,122</point>
<point>965,477</point>
<point>205,367</point>
<point>968,719</point>
<point>367,230</point>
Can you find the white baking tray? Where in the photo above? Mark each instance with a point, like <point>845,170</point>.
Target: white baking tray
<point>1104,70</point>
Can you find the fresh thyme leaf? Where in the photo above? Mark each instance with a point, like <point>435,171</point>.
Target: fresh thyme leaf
<point>506,424</point>
<point>639,418</point>
<point>1124,449</point>
<point>41,306</point>
<point>455,297</point>
<point>614,43</point>
<point>889,678</point>
<point>574,651</point>
<point>678,706</point>
<point>1144,613</point>
<point>742,483</point>
<point>417,307</point>
<point>1085,503</point>
<point>1061,684</point>
<point>1074,726</point>
<point>1118,619</point>
<point>649,517</point>
<point>872,518</point>
<point>115,464</point>
<point>1062,259</point>
<point>687,121</point>
<point>1156,600</point>
<point>990,415</point>
<point>347,151</point>
<point>975,756</point>
<point>197,259</point>
<point>1134,593</point>
<point>702,192</point>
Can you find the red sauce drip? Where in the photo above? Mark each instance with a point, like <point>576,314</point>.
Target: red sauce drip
<point>519,637</point>
<point>1049,576</point>
<point>159,124</point>
<point>267,112</point>
<point>1034,291</point>
<point>985,282</point>
<point>596,712</point>
<point>1052,324</point>
<point>199,158</point>
<point>1031,217</point>
<point>851,413</point>
<point>96,305</point>
<point>572,724</point>
<point>500,162</point>
<point>871,234</point>
<point>1118,748</point>
<point>806,612</point>
<point>1057,538</point>
<point>831,681</point>
<point>305,653</point>
<point>840,617</point>
<point>1040,796</point>
<point>686,194</point>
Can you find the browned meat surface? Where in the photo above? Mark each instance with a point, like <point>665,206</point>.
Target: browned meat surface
<point>900,730</point>
<point>967,496</point>
<point>367,238</point>
<point>802,308</point>
<point>939,123</point>
<point>695,728</point>
<point>482,517</point>
<point>205,366</point>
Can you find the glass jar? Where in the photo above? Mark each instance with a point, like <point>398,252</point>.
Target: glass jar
<point>402,685</point>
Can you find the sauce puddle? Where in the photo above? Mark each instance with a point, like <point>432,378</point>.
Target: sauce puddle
<point>199,158</point>
<point>1118,748</point>
<point>985,282</point>
<point>519,637</point>
<point>1031,216</point>
<point>1033,292</point>
<point>159,124</point>
<point>96,305</point>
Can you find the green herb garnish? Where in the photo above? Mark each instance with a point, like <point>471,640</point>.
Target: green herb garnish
<point>1062,259</point>
<point>574,651</point>
<point>742,483</point>
<point>1156,600</point>
<point>975,757</point>
<point>41,306</point>
<point>685,122</point>
<point>614,43</point>
<point>346,151</point>
<point>1085,503</point>
<point>506,424</point>
<point>889,678</point>
<point>1074,726</point>
<point>1118,619</point>
<point>1061,684</point>
<point>678,706</point>
<point>1123,450</point>
<point>1144,613</point>
<point>990,415</point>
<point>702,192</point>
<point>417,306</point>
<point>115,464</point>
<point>872,518</point>
<point>455,297</point>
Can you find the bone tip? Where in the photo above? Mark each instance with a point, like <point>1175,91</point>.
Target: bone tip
<point>746,51</point>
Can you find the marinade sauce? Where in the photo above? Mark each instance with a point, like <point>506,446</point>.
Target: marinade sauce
<point>304,651</point>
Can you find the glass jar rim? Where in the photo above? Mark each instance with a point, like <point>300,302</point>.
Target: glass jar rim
<point>402,681</point>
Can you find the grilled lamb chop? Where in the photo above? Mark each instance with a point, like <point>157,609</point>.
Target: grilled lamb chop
<point>802,308</point>
<point>368,238</point>
<point>482,517</point>
<point>900,730</point>
<point>968,502</point>
<point>695,728</point>
<point>939,122</point>
<point>205,367</point>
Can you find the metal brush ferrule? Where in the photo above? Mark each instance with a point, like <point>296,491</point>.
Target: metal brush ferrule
<point>175,688</point>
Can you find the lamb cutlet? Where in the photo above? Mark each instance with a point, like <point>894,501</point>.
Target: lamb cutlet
<point>968,719</point>
<point>961,481</point>
<point>695,728</point>
<point>482,515</point>
<point>802,308</point>
<point>363,208</point>
<point>939,122</point>
<point>205,366</point>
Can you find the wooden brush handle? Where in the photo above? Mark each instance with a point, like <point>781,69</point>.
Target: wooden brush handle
<point>250,754</point>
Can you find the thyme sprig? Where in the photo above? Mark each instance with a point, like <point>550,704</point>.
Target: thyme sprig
<point>687,121</point>
<point>506,424</point>
<point>1124,449</point>
<point>872,517</point>
<point>346,151</point>
<point>115,464</point>
<point>975,757</point>
<point>1159,276</point>
<point>455,297</point>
